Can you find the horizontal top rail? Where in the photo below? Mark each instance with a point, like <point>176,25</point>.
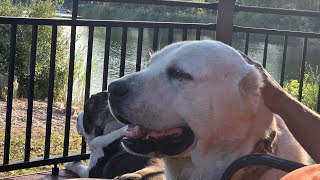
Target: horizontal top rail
<point>207,5</point>
<point>278,11</point>
<point>276,32</point>
<point>104,23</point>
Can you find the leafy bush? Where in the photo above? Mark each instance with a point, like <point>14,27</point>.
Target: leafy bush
<point>310,87</point>
<point>45,9</point>
<point>292,87</point>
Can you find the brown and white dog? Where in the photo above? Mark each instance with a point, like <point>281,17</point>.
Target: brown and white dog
<point>198,107</point>
<point>107,158</point>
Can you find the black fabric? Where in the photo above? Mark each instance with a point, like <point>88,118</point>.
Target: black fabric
<point>116,161</point>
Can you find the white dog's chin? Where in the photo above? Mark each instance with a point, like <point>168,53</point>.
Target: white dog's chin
<point>170,142</point>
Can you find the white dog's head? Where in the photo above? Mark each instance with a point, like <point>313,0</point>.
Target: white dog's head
<point>193,98</point>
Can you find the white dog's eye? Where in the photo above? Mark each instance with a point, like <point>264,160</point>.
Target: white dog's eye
<point>178,74</point>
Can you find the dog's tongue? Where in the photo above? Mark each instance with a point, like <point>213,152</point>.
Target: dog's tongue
<point>135,132</point>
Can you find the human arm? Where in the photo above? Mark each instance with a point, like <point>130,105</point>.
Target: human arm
<point>303,123</point>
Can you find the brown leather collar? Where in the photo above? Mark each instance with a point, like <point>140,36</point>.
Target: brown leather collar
<point>266,145</point>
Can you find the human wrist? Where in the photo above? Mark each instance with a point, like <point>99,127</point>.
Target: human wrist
<point>274,98</point>
<point>280,101</point>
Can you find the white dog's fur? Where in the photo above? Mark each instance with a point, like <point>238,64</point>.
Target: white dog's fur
<point>96,146</point>
<point>221,104</point>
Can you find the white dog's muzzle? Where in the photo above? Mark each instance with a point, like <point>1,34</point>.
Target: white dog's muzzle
<point>145,141</point>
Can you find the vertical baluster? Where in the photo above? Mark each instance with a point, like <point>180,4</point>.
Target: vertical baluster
<point>184,34</point>
<point>139,49</point>
<point>70,79</point>
<point>155,39</point>
<point>89,63</point>
<point>246,47</point>
<point>11,61</point>
<point>198,34</point>
<point>32,68</point>
<point>318,103</point>
<point>123,50</point>
<point>265,52</point>
<point>106,59</point>
<point>88,77</point>
<point>302,69</point>
<point>69,94</point>
<point>170,36</point>
<point>284,59</point>
<point>50,90</point>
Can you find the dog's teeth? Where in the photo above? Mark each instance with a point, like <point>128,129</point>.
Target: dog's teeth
<point>164,133</point>
<point>135,132</point>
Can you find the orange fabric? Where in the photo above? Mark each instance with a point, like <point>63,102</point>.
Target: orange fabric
<point>311,172</point>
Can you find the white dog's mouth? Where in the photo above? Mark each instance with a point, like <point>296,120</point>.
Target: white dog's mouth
<point>160,143</point>
<point>137,132</point>
<point>140,140</point>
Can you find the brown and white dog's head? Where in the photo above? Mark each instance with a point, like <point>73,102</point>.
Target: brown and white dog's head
<point>196,99</point>
<point>96,120</point>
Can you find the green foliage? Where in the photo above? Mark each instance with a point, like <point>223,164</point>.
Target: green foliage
<point>7,9</point>
<point>45,9</point>
<point>292,87</point>
<point>272,21</point>
<point>145,12</point>
<point>310,87</point>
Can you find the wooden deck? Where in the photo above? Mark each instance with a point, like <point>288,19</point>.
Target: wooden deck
<point>63,174</point>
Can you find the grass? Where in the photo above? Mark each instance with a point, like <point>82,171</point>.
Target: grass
<point>37,147</point>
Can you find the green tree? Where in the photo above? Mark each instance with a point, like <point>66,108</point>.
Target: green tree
<point>45,9</point>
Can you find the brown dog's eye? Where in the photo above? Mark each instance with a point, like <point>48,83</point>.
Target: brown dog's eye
<point>178,74</point>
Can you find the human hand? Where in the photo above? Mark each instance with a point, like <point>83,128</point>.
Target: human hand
<point>271,91</point>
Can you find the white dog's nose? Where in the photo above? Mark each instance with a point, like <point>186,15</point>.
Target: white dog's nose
<point>118,88</point>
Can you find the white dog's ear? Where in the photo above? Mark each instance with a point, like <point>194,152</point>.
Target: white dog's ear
<point>250,86</point>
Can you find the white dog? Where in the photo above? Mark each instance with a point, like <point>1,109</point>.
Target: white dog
<point>198,106</point>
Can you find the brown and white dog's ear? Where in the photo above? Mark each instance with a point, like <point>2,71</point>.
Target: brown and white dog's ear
<point>250,86</point>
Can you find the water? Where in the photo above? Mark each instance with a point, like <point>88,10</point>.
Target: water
<point>275,53</point>
<point>256,48</point>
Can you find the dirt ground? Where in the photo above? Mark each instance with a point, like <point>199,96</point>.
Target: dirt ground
<point>19,115</point>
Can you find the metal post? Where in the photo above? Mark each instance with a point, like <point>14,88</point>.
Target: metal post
<point>75,5</point>
<point>55,170</point>
<point>224,29</point>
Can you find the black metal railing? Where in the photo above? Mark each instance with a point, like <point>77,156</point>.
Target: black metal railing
<point>224,29</point>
